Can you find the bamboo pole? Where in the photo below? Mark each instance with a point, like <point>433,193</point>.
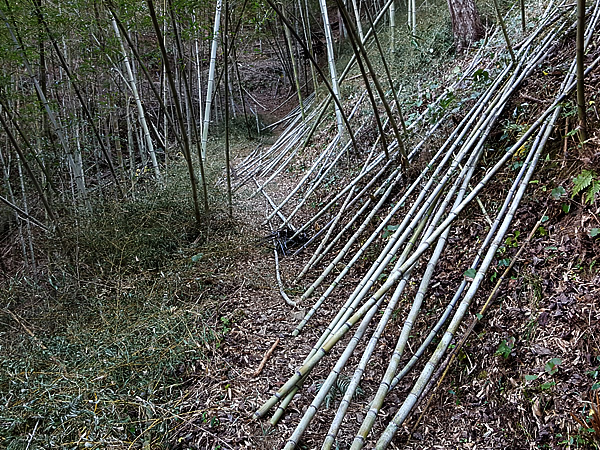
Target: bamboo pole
<point>211,76</point>
<point>288,38</point>
<point>331,63</point>
<point>226,78</point>
<point>136,96</point>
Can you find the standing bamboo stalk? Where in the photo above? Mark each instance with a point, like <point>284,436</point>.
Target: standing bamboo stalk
<point>211,76</point>
<point>84,106</point>
<point>136,96</point>
<point>504,31</point>
<point>392,28</point>
<point>303,7</point>
<point>333,97</point>
<point>288,38</point>
<point>331,61</point>
<point>226,79</point>
<point>388,75</point>
<point>30,174</point>
<point>356,8</point>
<point>580,47</point>
<point>190,108</point>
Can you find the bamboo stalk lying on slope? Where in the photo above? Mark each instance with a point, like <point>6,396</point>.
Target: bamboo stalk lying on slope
<point>398,274</point>
<point>482,129</point>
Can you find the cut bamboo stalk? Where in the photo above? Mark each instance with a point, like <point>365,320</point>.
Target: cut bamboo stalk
<point>322,347</point>
<point>384,387</point>
<point>306,176</point>
<point>331,378</point>
<point>319,252</point>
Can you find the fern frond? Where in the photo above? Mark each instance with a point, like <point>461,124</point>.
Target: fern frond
<point>582,181</point>
<point>592,191</point>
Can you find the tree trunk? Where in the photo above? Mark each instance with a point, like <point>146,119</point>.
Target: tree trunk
<point>466,24</point>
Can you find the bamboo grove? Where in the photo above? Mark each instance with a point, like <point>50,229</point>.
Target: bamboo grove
<point>99,97</point>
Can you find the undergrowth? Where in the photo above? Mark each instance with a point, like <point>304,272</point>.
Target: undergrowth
<point>97,352</point>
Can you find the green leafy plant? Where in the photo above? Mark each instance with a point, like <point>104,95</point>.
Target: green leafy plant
<point>594,374</point>
<point>226,322</point>
<point>511,241</point>
<point>470,273</point>
<point>542,230</point>
<point>558,192</point>
<point>389,230</point>
<point>447,100</point>
<point>547,385</point>
<point>506,347</point>
<point>481,76</point>
<point>588,183</point>
<point>551,366</point>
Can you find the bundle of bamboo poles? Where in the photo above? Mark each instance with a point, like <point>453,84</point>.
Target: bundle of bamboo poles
<point>423,214</point>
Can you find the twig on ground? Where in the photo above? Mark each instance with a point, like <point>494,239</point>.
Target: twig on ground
<point>261,366</point>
